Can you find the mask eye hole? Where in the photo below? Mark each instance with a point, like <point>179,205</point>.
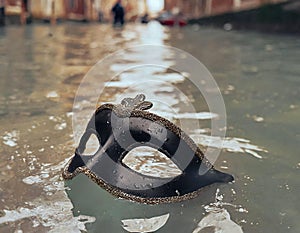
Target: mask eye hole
<point>151,162</point>
<point>92,145</point>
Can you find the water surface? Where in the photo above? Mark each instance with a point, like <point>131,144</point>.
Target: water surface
<point>258,75</point>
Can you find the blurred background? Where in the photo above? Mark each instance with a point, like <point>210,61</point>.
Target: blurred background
<point>275,15</point>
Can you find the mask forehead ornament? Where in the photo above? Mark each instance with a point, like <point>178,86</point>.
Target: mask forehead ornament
<point>122,127</point>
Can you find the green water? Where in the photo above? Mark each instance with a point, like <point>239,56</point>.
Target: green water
<point>258,75</point>
<point>264,71</point>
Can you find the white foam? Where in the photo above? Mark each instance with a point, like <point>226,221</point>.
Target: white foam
<point>220,221</point>
<point>53,211</point>
<point>218,218</point>
<point>56,215</point>
<point>147,74</point>
<point>196,115</point>
<point>33,180</point>
<point>60,126</point>
<point>52,94</point>
<point>145,224</point>
<point>11,138</point>
<point>230,144</point>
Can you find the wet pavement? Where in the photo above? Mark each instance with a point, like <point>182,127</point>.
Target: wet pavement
<point>41,69</point>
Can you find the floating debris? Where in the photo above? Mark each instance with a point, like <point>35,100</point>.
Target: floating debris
<point>146,224</point>
<point>11,138</point>
<point>292,106</point>
<point>258,118</point>
<point>52,94</point>
<point>61,123</point>
<point>69,114</point>
<point>229,89</point>
<point>49,215</point>
<point>253,153</point>
<point>41,150</point>
<point>49,212</point>
<point>219,222</point>
<point>242,210</point>
<point>53,118</point>
<point>196,115</point>
<point>32,180</point>
<point>218,218</point>
<point>230,144</point>
<point>60,126</point>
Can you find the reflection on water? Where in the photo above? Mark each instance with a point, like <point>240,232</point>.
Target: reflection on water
<point>145,225</point>
<point>257,74</point>
<point>40,75</point>
<point>151,162</point>
<point>218,218</point>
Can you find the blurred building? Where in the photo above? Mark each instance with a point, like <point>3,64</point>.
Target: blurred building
<point>100,10</point>
<point>80,10</point>
<point>203,8</point>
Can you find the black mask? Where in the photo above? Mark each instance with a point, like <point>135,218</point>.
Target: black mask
<point>123,127</point>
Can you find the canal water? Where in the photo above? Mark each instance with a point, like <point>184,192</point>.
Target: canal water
<point>42,68</point>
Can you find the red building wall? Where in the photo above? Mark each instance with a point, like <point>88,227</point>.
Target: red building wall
<point>13,2</point>
<point>75,6</point>
<point>201,8</point>
<point>221,6</point>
